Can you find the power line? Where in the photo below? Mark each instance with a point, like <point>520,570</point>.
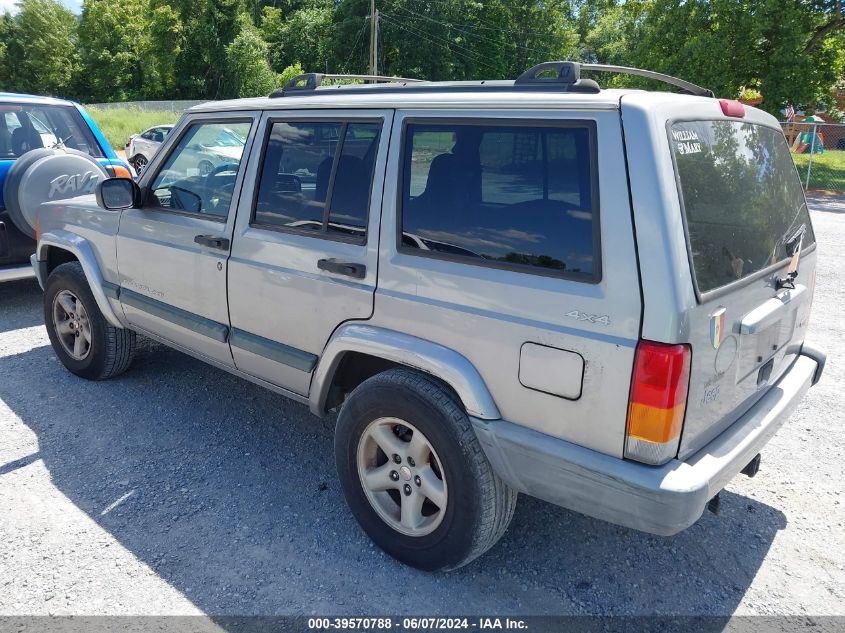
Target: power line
<point>467,54</point>
<point>357,39</point>
<point>456,27</point>
<point>479,25</point>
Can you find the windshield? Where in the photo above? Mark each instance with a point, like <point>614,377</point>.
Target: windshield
<point>742,198</point>
<point>24,127</point>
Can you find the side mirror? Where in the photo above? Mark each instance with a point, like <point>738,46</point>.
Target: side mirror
<point>117,193</point>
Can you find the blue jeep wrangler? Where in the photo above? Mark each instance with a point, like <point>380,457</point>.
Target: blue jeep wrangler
<point>28,123</point>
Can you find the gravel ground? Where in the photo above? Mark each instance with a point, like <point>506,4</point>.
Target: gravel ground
<point>179,489</point>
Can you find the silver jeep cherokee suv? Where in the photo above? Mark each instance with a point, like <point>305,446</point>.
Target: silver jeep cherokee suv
<point>595,297</point>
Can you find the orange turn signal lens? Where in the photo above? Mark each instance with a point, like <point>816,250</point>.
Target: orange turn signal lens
<point>654,424</point>
<point>658,401</point>
<point>121,172</point>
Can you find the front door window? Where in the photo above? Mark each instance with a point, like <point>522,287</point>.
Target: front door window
<point>199,175</point>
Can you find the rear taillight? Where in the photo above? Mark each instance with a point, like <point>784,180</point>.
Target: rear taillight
<point>658,401</point>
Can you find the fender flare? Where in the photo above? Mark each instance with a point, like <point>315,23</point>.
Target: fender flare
<point>433,358</point>
<point>82,250</point>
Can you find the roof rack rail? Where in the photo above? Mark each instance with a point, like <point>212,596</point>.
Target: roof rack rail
<point>570,73</point>
<point>312,81</point>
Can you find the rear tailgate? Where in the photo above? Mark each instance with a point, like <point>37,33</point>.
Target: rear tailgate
<point>747,227</point>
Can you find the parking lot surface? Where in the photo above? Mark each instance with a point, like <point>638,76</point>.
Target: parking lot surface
<point>179,489</point>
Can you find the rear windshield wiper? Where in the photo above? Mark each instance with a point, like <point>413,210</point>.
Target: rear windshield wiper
<point>792,243</point>
<point>60,143</point>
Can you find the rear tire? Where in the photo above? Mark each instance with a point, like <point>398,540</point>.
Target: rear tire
<point>83,340</point>
<point>466,507</point>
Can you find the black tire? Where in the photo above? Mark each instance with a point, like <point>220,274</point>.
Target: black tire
<point>111,349</point>
<point>479,505</point>
<point>139,163</point>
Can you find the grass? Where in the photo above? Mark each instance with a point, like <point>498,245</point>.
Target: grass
<point>828,170</point>
<point>119,124</point>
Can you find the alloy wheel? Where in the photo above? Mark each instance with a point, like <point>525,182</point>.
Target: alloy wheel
<point>70,320</point>
<point>139,164</point>
<point>402,476</point>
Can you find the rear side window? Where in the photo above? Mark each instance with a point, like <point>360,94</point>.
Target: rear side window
<point>24,127</point>
<point>741,196</point>
<point>521,196</point>
<point>317,176</point>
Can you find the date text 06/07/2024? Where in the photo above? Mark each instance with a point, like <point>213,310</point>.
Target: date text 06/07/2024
<point>416,623</point>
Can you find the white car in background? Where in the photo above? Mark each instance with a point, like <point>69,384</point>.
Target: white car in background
<point>211,153</point>
<point>141,147</point>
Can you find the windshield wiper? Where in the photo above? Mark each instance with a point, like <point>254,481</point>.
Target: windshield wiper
<point>60,143</point>
<point>793,245</point>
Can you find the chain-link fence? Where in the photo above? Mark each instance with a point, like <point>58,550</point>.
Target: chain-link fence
<point>818,150</point>
<point>147,106</point>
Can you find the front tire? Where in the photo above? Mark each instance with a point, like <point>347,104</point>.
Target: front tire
<point>414,474</point>
<point>83,340</point>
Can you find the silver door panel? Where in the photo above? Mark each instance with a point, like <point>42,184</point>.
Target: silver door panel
<point>179,285</point>
<point>276,289</point>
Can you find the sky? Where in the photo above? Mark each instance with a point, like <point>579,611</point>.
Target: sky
<point>9,5</point>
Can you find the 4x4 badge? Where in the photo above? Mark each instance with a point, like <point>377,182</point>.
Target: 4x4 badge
<point>717,327</point>
<point>600,319</point>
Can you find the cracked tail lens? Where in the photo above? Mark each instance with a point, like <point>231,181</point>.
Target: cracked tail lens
<point>658,401</point>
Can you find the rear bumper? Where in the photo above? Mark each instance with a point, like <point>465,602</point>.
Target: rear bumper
<point>18,271</point>
<point>657,499</point>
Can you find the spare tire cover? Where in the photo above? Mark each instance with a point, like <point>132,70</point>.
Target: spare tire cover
<point>44,175</point>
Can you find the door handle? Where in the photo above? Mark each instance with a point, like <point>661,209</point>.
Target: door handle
<point>213,241</point>
<point>358,271</point>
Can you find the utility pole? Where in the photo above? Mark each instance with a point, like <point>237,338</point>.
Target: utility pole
<point>373,38</point>
<point>375,48</point>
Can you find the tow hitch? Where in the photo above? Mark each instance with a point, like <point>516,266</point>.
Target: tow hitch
<point>713,505</point>
<point>752,467</point>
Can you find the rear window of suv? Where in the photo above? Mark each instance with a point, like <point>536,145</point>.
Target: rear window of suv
<point>516,195</point>
<point>24,127</point>
<point>741,196</point>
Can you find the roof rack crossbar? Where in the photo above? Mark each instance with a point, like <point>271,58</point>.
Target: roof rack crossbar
<point>312,81</point>
<point>570,73</point>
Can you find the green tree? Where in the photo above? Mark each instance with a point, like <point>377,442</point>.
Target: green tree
<point>792,51</point>
<point>248,70</point>
<point>289,73</point>
<point>271,26</point>
<point>7,32</point>
<point>161,47</point>
<point>40,46</point>
<point>300,32</point>
<point>209,26</point>
<point>111,40</point>
<point>462,39</point>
